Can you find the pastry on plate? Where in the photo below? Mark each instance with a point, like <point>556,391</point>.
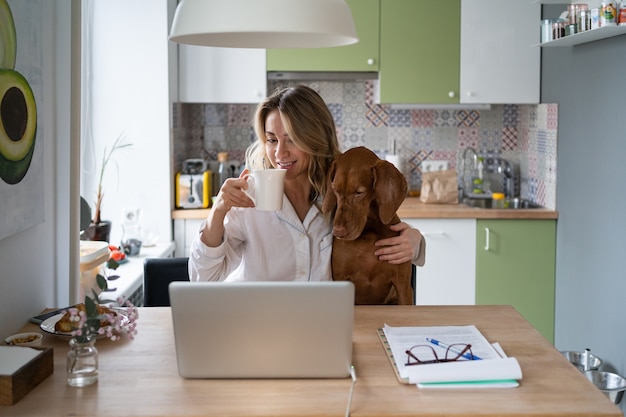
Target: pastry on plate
<point>66,326</point>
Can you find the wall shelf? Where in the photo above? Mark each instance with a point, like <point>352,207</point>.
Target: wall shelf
<point>582,37</point>
<point>586,36</point>
<point>563,2</point>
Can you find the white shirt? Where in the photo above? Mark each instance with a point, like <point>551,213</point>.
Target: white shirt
<point>274,245</point>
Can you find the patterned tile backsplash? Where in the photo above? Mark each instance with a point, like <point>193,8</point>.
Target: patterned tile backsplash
<point>524,135</point>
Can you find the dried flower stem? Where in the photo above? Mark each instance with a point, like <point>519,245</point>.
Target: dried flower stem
<point>106,158</point>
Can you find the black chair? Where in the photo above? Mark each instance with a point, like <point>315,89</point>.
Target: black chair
<point>157,275</point>
<point>414,281</point>
<point>159,272</point>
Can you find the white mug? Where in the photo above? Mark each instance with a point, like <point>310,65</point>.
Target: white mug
<point>266,188</point>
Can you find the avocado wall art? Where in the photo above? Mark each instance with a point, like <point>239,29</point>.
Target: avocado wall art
<point>21,155</point>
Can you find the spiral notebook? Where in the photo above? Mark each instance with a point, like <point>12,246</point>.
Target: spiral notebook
<point>493,369</point>
<point>263,329</point>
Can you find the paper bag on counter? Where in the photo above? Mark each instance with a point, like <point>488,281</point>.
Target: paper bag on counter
<point>440,187</point>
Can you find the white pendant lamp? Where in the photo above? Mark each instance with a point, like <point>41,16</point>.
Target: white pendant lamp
<point>263,23</point>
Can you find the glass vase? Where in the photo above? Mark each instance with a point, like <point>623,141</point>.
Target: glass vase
<point>82,362</point>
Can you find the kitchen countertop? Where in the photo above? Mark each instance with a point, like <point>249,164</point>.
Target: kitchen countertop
<point>129,285</point>
<point>413,208</point>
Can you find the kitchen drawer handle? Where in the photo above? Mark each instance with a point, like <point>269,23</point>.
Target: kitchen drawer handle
<point>435,234</point>
<point>486,238</point>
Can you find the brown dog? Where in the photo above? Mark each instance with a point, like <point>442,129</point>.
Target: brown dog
<point>365,193</point>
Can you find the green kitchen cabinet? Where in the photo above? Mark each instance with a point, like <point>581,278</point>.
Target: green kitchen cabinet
<point>444,52</point>
<point>362,56</point>
<point>515,264</point>
<point>420,51</point>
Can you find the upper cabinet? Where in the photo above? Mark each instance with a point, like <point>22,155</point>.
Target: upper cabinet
<point>221,75</point>
<point>419,51</point>
<point>362,56</point>
<point>432,52</point>
<point>498,63</point>
<point>452,51</point>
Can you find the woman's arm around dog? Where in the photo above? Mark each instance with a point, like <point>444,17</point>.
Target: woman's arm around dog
<point>409,245</point>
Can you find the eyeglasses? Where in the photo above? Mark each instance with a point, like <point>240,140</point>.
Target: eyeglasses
<point>424,354</point>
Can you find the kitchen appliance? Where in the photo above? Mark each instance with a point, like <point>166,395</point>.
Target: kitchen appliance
<point>193,184</point>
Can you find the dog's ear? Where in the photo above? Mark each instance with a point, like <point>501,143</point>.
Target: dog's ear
<point>390,188</point>
<point>330,200</point>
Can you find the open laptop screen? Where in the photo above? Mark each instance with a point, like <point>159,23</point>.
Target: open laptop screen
<point>263,329</point>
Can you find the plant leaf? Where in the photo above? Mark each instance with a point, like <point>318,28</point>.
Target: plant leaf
<point>112,264</point>
<point>91,308</point>
<point>102,282</point>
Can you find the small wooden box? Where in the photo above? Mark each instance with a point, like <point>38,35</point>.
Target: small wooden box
<point>21,382</point>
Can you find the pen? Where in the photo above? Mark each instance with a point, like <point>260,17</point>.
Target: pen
<point>468,355</point>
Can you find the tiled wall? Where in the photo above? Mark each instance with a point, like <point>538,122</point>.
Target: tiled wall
<point>525,135</point>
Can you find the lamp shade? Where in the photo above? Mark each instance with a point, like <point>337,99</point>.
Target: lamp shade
<point>263,23</point>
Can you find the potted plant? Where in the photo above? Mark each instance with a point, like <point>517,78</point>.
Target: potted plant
<point>90,321</point>
<point>100,229</point>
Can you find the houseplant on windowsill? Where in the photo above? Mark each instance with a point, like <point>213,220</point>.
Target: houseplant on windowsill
<point>100,229</point>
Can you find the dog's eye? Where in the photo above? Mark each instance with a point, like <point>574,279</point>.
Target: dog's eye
<point>360,191</point>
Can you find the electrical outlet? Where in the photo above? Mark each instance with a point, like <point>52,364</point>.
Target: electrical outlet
<point>428,166</point>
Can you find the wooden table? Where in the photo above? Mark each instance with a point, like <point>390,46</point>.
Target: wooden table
<point>140,378</point>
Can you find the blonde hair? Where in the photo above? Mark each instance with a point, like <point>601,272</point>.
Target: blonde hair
<point>310,126</point>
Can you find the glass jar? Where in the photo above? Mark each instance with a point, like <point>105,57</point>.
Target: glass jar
<point>223,169</point>
<point>82,362</point>
<point>583,18</point>
<point>571,13</point>
<point>497,200</point>
<point>621,14</point>
<point>558,29</point>
<point>546,30</point>
<point>608,13</point>
<point>570,30</point>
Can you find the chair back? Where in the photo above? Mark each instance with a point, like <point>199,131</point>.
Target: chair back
<point>157,275</point>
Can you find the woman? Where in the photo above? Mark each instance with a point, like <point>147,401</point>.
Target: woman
<point>296,132</point>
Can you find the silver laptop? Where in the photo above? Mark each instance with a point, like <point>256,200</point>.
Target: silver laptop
<point>263,329</point>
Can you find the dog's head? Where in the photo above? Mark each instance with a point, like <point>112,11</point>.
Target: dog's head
<point>361,186</point>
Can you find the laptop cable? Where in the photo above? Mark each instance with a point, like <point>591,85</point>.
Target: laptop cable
<point>353,375</point>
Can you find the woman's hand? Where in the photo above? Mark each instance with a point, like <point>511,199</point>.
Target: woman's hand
<point>401,248</point>
<point>232,194</point>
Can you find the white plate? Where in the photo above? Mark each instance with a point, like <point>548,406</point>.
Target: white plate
<point>48,324</point>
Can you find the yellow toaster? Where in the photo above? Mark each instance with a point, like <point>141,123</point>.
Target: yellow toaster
<point>193,185</point>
